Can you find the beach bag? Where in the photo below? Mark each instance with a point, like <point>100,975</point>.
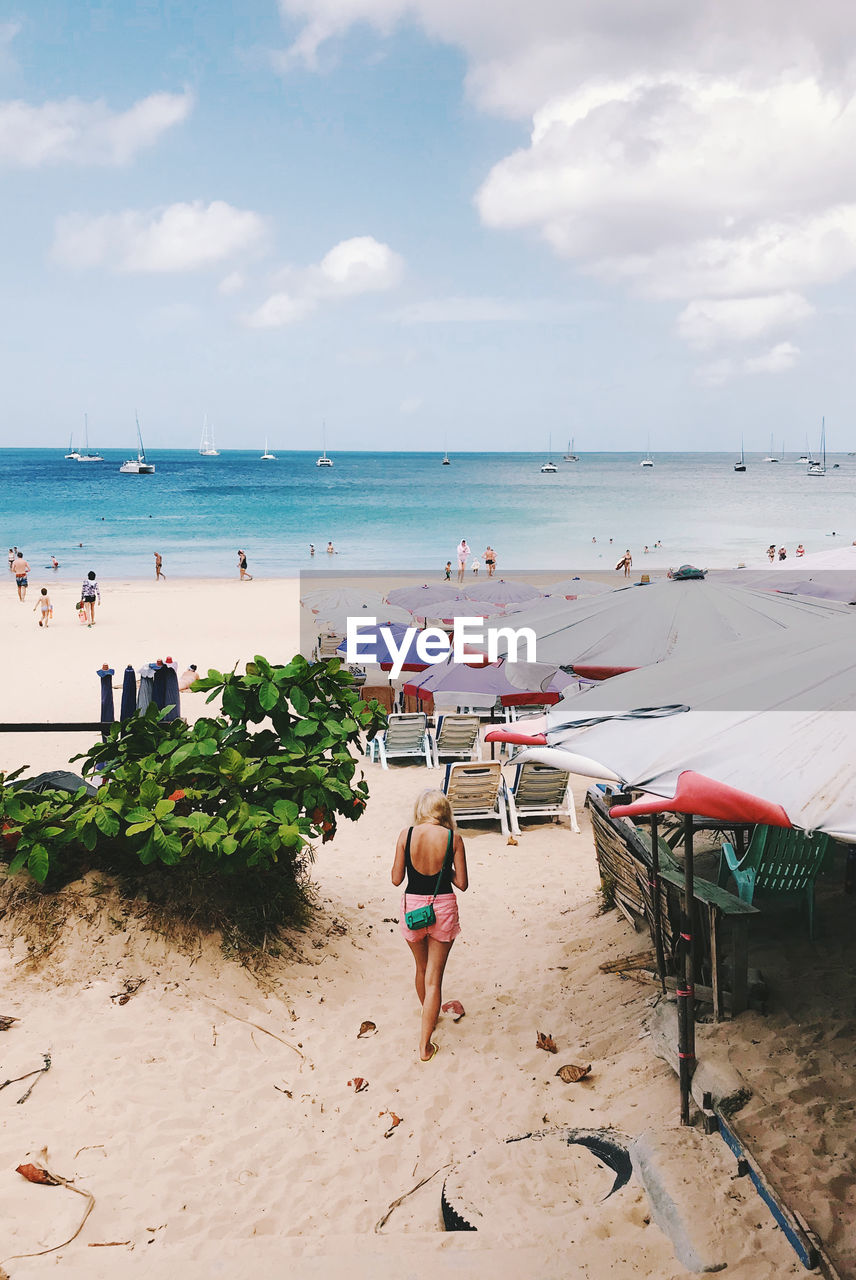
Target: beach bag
<point>423,917</point>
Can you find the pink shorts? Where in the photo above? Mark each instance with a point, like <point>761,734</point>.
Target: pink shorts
<point>446,926</point>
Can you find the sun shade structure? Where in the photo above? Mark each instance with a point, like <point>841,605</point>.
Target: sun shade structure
<point>451,678</point>
<point>763,733</point>
<point>419,600</point>
<point>334,600</point>
<point>578,589</point>
<point>373,639</point>
<point>499,591</point>
<point>384,614</point>
<point>642,625</point>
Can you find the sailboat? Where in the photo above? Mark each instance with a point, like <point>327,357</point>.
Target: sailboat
<point>207,448</point>
<point>323,461</point>
<point>550,467</point>
<point>87,456</point>
<point>741,465</point>
<point>647,461</point>
<point>138,466</point>
<point>772,457</point>
<point>72,454</point>
<point>819,468</point>
<point>446,462</point>
<point>267,456</point>
<point>570,456</point>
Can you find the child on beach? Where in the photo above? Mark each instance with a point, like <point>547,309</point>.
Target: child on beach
<point>44,604</point>
<point>475,566</point>
<point>448,571</point>
<point>89,593</point>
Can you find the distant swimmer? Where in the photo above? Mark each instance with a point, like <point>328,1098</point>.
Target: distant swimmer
<point>54,562</point>
<point>312,548</point>
<point>800,551</point>
<point>331,550</point>
<point>783,555</point>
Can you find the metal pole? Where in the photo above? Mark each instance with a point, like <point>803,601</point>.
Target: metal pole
<point>686,989</point>
<point>655,895</point>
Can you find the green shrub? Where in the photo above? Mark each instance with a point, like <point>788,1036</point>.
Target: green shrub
<point>245,793</point>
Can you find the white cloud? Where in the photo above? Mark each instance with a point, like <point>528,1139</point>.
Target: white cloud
<point>783,356</point>
<point>75,132</point>
<point>475,310</point>
<point>182,237</point>
<point>691,152</point>
<point>231,284</point>
<point>356,266</point>
<point>710,322</point>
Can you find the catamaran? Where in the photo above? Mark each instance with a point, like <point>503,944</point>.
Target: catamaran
<point>207,448</point>
<point>819,468</point>
<point>138,466</point>
<point>550,467</point>
<point>86,456</point>
<point>323,461</point>
<point>267,456</point>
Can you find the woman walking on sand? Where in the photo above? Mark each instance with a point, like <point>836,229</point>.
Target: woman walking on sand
<point>89,593</point>
<point>432,856</point>
<point>242,567</point>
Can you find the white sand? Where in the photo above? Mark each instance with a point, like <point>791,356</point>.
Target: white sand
<point>172,1108</point>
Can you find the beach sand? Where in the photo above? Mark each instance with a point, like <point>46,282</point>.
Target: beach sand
<point>211,1115</point>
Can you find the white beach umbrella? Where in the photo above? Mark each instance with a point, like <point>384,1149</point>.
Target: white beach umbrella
<point>418,599</point>
<point>334,600</point>
<point>579,588</point>
<point>447,611</point>
<point>500,591</point>
<point>637,626</point>
<point>382,613</point>
<point>766,733</point>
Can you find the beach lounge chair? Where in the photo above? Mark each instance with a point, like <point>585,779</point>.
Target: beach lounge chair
<point>404,735</point>
<point>477,791</point>
<point>457,737</point>
<point>327,646</point>
<point>779,860</point>
<point>539,791</point>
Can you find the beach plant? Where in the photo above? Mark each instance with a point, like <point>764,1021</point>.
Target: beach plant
<point>240,796</point>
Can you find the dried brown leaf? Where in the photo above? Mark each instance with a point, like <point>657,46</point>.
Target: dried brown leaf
<point>34,1173</point>
<point>366,1029</point>
<point>572,1074</point>
<point>547,1043</point>
<point>5,1023</point>
<point>394,1122</point>
<point>358,1084</point>
<point>511,840</point>
<point>455,1007</point>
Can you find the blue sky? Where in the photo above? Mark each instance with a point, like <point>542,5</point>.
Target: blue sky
<point>420,220</point>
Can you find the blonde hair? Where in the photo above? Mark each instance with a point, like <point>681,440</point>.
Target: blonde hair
<point>433,806</point>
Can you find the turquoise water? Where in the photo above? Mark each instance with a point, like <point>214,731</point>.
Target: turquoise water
<point>406,511</point>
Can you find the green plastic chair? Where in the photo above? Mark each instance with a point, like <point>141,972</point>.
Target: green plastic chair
<point>778,860</point>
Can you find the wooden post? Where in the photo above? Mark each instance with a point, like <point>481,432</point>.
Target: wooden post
<point>686,990</point>
<point>655,895</point>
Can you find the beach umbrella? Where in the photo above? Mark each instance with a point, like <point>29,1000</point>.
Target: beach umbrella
<point>419,599</point>
<point>158,684</point>
<point>637,626</point>
<point>172,698</point>
<point>129,694</point>
<point>792,579</point>
<point>350,600</point>
<point>145,691</point>
<point>454,681</point>
<point>500,591</point>
<point>383,614</point>
<point>578,588</point>
<point>447,612</point>
<point>108,712</point>
<point>762,734</point>
<point>384,658</point>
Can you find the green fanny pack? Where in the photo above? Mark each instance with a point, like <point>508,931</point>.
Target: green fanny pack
<point>422,917</point>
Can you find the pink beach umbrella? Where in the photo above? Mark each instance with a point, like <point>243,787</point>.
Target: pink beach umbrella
<point>447,612</point>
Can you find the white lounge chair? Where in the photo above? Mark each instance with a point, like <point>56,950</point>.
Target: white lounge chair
<point>477,791</point>
<point>404,735</point>
<point>539,791</point>
<point>457,737</point>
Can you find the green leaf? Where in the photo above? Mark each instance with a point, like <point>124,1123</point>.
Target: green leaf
<point>286,810</point>
<point>137,827</point>
<point>18,861</point>
<point>299,701</point>
<point>39,863</point>
<point>228,845</point>
<point>268,696</point>
<point>164,807</point>
<point>208,747</point>
<point>106,821</point>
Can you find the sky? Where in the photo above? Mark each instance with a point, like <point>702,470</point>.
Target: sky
<point>410,224</point>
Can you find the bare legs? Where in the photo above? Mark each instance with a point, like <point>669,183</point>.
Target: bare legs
<point>430,956</point>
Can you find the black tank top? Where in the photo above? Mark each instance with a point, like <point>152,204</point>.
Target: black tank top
<point>419,883</point>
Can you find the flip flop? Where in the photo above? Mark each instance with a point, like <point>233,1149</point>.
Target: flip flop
<point>435,1049</point>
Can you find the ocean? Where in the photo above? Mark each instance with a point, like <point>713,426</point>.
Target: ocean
<point>406,511</point>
